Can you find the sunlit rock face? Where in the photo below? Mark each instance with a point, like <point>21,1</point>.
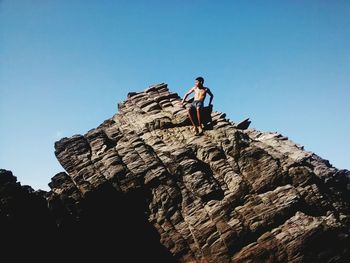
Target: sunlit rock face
<point>145,181</point>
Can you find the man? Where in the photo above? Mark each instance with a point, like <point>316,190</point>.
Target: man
<point>200,93</point>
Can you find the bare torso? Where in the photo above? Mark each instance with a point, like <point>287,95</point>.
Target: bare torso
<point>200,93</point>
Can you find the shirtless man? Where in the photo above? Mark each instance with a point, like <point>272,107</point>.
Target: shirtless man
<point>199,96</point>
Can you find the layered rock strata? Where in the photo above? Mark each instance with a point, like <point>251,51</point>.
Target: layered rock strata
<point>230,195</point>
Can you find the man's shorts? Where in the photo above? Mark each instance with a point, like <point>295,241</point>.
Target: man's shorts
<point>197,104</point>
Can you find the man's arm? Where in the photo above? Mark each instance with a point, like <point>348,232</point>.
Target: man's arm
<point>211,96</point>
<point>186,95</point>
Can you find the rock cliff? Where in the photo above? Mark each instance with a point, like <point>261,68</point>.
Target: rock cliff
<point>143,180</point>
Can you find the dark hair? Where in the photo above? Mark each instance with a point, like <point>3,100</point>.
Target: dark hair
<point>200,79</point>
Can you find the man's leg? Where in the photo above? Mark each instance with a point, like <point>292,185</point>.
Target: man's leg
<point>199,120</point>
<point>191,119</point>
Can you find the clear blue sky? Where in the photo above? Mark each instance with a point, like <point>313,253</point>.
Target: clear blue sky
<point>64,66</point>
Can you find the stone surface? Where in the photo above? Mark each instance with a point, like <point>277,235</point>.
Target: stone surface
<point>25,220</point>
<point>230,195</point>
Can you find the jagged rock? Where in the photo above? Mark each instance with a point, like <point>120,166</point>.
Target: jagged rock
<point>233,194</point>
<point>25,221</point>
<point>65,225</point>
<point>301,238</point>
<point>243,124</point>
<point>215,198</point>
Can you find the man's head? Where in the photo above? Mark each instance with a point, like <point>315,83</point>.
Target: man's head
<point>199,81</point>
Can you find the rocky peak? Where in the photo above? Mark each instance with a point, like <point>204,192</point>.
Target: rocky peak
<point>230,195</point>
